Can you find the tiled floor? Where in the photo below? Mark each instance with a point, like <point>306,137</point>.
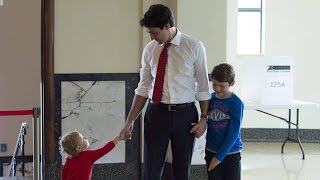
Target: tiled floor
<point>16,178</point>
<point>264,161</point>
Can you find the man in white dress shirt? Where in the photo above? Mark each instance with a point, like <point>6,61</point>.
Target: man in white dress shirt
<point>185,81</point>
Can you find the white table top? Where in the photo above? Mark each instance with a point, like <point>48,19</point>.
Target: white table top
<point>294,104</point>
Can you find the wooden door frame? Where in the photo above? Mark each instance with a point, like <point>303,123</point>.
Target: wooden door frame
<point>47,81</point>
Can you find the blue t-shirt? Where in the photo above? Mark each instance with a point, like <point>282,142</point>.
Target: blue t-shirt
<point>223,126</point>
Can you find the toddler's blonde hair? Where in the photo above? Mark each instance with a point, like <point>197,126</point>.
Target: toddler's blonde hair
<point>69,143</point>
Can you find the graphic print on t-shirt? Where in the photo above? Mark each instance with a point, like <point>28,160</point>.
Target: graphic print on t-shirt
<point>217,115</point>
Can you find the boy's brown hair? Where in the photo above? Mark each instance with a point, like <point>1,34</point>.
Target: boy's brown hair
<point>223,73</point>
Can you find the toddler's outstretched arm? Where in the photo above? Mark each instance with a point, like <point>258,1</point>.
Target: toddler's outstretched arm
<point>118,138</point>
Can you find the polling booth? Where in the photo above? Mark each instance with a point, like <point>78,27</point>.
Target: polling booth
<point>267,80</point>
<point>267,84</point>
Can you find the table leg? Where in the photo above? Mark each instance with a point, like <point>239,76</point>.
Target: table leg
<point>297,134</point>
<point>289,131</point>
<point>297,138</point>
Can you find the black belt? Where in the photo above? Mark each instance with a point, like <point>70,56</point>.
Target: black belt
<point>174,107</point>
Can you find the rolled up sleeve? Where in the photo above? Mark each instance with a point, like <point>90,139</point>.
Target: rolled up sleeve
<point>201,75</point>
<point>146,79</point>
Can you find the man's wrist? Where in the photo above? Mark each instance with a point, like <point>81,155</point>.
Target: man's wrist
<point>130,121</point>
<point>203,120</point>
<point>204,116</point>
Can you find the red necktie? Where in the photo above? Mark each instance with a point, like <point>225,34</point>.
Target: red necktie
<point>158,86</point>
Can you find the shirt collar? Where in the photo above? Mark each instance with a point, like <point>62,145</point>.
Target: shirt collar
<point>177,38</point>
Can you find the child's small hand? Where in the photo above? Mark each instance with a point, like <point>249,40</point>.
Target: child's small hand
<point>117,139</point>
<point>214,162</point>
<point>199,128</point>
<point>122,137</point>
<point>195,130</point>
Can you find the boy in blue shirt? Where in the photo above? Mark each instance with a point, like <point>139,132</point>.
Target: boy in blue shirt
<point>225,112</point>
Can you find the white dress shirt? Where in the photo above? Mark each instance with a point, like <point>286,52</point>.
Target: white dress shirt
<point>186,77</point>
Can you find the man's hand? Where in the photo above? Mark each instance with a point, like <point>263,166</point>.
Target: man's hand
<point>214,162</point>
<point>199,128</point>
<point>126,131</point>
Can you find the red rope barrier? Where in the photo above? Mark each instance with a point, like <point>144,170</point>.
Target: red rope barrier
<point>16,112</point>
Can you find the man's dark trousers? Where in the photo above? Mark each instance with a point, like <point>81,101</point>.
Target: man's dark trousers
<point>162,123</point>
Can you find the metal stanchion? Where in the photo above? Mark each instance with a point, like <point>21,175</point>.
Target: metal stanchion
<point>22,143</point>
<point>36,144</point>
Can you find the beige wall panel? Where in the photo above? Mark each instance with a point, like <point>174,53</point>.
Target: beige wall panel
<point>206,20</point>
<point>97,36</point>
<point>20,56</point>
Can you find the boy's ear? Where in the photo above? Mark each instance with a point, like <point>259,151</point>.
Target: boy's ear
<point>167,26</point>
<point>232,83</point>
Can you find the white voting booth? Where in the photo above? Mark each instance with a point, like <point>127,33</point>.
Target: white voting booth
<point>268,84</point>
<point>267,81</point>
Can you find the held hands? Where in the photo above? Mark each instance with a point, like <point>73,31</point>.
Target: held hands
<point>118,138</point>
<point>199,128</point>
<point>214,162</point>
<point>126,131</point>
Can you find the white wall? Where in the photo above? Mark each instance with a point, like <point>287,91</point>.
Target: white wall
<point>291,29</point>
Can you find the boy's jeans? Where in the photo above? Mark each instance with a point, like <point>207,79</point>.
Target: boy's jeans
<point>228,169</point>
